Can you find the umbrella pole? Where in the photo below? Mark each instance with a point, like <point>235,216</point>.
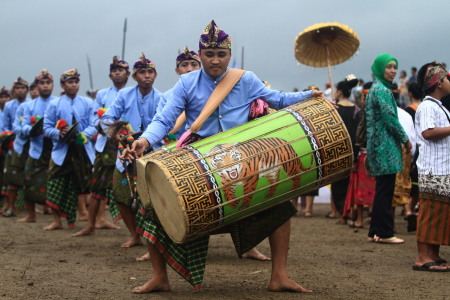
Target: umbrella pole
<point>330,76</point>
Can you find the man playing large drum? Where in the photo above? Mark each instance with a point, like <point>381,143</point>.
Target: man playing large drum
<point>190,95</point>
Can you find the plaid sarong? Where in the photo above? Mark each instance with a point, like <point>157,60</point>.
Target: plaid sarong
<point>36,174</point>
<point>113,209</point>
<point>188,259</point>
<point>14,168</point>
<point>19,202</point>
<point>63,197</point>
<point>66,182</point>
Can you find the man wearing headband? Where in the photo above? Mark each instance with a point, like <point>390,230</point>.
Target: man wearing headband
<point>36,166</point>
<point>72,156</point>
<point>12,174</point>
<point>190,94</point>
<point>105,158</point>
<point>385,137</point>
<point>136,106</point>
<point>433,164</point>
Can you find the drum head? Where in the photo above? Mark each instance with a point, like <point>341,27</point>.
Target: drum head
<point>70,134</point>
<point>167,206</point>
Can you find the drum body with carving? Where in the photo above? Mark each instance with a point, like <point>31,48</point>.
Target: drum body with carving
<point>234,174</point>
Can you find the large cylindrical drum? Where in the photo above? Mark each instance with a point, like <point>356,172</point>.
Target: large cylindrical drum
<point>236,173</point>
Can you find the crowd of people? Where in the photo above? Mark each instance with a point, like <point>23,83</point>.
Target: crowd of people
<point>74,155</point>
<point>392,163</point>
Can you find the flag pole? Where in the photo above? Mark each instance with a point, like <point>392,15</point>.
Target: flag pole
<point>124,38</point>
<point>90,72</point>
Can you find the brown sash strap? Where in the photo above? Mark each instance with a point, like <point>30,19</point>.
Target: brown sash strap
<point>221,91</point>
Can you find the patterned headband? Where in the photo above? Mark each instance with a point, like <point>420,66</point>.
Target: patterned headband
<point>69,74</point>
<point>187,55</point>
<point>118,63</point>
<point>5,92</point>
<point>143,63</point>
<point>20,81</point>
<point>433,75</point>
<point>214,37</point>
<point>44,75</point>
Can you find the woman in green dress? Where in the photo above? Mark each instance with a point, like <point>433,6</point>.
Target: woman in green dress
<point>385,137</point>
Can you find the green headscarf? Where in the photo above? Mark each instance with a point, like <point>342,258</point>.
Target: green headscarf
<point>379,65</point>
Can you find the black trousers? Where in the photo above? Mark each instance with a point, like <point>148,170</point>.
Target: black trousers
<point>382,223</point>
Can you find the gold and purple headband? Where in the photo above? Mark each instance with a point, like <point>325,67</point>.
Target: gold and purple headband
<point>5,92</point>
<point>20,81</point>
<point>44,75</point>
<point>118,63</point>
<point>187,55</point>
<point>433,75</point>
<point>143,63</point>
<point>214,37</point>
<point>69,74</point>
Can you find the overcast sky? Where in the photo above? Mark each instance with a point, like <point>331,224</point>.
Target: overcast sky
<point>59,34</point>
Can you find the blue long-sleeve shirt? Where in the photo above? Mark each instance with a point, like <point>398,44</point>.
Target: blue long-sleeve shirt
<point>65,108</point>
<point>21,138</point>
<point>9,113</point>
<point>192,91</point>
<point>132,107</point>
<point>104,98</point>
<point>36,107</point>
<point>162,103</point>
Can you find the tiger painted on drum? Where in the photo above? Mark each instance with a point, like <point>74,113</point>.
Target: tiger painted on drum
<point>243,164</point>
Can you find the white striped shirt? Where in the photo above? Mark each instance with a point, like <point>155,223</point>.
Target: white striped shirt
<point>434,156</point>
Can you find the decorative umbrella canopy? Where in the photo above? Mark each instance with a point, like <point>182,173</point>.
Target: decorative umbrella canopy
<point>326,45</point>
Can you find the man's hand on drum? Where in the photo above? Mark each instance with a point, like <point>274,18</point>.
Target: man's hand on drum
<point>137,148</point>
<point>316,93</point>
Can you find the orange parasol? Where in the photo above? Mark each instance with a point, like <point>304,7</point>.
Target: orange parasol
<point>326,45</point>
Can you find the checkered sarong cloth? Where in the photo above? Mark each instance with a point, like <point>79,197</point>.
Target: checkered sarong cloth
<point>20,203</point>
<point>188,259</point>
<point>113,209</point>
<point>63,197</point>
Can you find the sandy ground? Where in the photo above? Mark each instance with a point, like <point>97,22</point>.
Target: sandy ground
<point>333,260</point>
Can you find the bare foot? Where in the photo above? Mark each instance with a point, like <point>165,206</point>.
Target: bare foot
<point>85,231</point>
<point>255,254</point>
<point>105,225</point>
<point>53,226</point>
<point>144,257</point>
<point>83,218</point>
<point>286,285</point>
<point>133,241</point>
<point>153,285</point>
<point>27,219</point>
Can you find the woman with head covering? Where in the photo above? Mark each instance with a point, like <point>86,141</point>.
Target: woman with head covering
<point>433,164</point>
<point>385,137</point>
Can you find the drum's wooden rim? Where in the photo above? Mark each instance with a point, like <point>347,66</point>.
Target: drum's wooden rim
<point>171,212</point>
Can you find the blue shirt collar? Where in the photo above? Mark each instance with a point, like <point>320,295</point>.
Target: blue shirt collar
<point>208,77</point>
